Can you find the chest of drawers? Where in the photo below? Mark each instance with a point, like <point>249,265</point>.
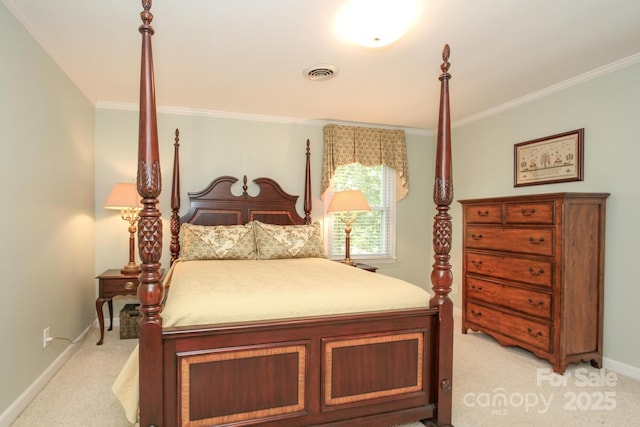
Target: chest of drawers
<point>533,273</point>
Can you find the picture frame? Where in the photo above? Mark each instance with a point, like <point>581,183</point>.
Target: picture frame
<point>549,160</point>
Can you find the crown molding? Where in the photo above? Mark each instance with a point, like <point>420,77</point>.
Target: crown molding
<point>574,81</point>
<point>106,105</point>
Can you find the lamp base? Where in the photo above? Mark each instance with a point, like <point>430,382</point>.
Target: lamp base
<point>348,262</point>
<point>130,269</point>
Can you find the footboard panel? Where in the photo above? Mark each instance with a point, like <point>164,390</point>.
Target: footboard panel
<point>352,367</point>
<point>373,369</point>
<point>201,375</point>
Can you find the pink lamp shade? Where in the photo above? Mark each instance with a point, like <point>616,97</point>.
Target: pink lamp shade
<point>348,201</point>
<point>124,195</point>
<point>125,198</point>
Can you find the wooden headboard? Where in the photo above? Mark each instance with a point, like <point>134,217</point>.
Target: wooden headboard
<point>217,205</point>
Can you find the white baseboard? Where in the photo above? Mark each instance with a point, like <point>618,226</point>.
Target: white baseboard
<point>116,322</point>
<point>19,405</point>
<point>621,368</point>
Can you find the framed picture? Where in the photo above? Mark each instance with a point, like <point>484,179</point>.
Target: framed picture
<point>555,158</point>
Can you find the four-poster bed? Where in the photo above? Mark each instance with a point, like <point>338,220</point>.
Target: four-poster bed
<point>369,368</point>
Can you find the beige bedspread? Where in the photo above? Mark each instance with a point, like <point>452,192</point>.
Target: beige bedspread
<point>206,292</point>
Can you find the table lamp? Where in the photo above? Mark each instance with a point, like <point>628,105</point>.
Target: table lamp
<point>124,197</point>
<point>348,203</point>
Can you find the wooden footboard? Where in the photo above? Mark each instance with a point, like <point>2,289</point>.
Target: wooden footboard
<point>373,369</point>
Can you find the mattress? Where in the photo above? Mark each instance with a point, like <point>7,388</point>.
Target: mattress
<point>222,291</point>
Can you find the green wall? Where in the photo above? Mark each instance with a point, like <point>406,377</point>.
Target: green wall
<point>46,182</point>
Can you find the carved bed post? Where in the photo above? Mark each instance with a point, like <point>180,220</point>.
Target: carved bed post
<point>441,276</point>
<point>307,186</point>
<point>175,201</point>
<point>150,290</point>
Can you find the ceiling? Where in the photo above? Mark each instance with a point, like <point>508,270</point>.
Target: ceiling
<point>246,58</point>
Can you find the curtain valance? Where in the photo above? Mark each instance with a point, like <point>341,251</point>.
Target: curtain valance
<point>369,147</point>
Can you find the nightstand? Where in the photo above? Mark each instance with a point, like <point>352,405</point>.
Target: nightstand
<point>360,265</point>
<point>112,283</point>
<point>367,267</point>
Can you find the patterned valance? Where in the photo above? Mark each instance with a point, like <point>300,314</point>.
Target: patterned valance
<point>369,147</point>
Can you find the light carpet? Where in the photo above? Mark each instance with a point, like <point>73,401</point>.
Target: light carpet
<point>493,386</point>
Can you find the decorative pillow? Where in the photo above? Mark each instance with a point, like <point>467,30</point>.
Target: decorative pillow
<point>288,241</point>
<point>217,242</point>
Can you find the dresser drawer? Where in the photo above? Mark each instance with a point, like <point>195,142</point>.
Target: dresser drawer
<point>524,240</point>
<point>113,287</point>
<point>536,334</point>
<point>530,213</point>
<point>517,299</point>
<point>522,270</point>
<point>483,213</point>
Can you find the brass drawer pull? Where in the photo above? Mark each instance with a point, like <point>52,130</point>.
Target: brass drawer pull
<point>483,213</point>
<point>536,273</point>
<point>129,285</point>
<point>476,314</point>
<point>476,236</point>
<point>528,212</point>
<point>533,240</point>
<point>532,302</point>
<point>534,335</point>
<point>476,263</point>
<point>478,289</point>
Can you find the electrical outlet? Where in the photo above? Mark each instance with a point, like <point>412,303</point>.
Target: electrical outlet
<point>46,337</point>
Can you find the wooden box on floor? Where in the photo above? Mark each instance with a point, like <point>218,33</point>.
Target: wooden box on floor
<point>129,321</point>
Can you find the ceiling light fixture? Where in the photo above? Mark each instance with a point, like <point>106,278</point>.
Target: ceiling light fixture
<point>375,23</point>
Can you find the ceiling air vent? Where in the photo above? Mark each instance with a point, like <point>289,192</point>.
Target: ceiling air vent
<point>320,72</point>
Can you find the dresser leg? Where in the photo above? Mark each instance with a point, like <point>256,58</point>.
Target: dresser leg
<point>559,367</point>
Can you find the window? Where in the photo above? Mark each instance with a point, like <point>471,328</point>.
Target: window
<point>373,233</point>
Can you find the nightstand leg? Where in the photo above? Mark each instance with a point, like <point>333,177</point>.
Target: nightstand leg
<point>110,303</point>
<point>99,303</point>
